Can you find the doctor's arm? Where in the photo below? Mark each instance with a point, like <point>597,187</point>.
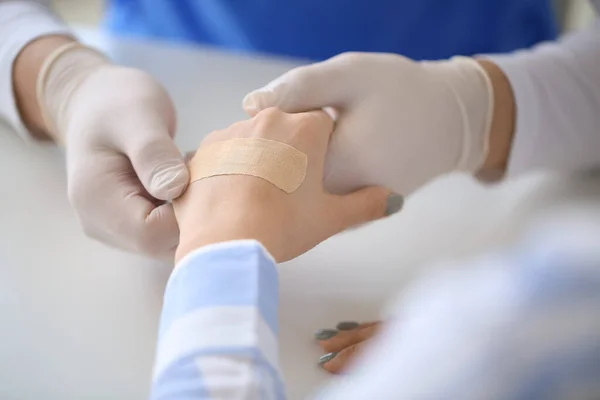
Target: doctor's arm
<point>557,101</point>
<point>218,329</point>
<point>29,32</point>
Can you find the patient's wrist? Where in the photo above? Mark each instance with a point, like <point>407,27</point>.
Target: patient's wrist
<point>204,226</point>
<point>190,242</point>
<point>207,216</point>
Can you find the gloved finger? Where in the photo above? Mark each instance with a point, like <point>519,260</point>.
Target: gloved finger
<point>362,206</point>
<point>145,134</point>
<point>324,84</point>
<point>336,362</point>
<point>115,208</point>
<point>143,227</point>
<point>335,340</point>
<point>159,165</point>
<point>155,227</point>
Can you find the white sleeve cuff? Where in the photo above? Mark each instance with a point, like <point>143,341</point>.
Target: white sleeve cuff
<point>20,23</point>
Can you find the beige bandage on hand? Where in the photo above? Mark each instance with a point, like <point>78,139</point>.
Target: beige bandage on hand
<point>278,163</point>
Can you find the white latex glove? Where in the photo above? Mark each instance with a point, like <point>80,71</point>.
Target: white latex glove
<point>117,125</point>
<point>400,123</point>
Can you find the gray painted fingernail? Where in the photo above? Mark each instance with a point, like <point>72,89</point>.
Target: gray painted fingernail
<point>347,325</point>
<point>394,204</point>
<point>324,334</point>
<point>326,358</point>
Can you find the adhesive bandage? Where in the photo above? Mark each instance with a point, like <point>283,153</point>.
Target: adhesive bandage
<point>281,164</point>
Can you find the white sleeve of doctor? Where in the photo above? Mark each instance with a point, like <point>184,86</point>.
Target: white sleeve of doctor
<point>557,93</point>
<point>20,23</point>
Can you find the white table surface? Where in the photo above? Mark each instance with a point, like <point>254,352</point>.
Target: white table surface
<point>79,319</point>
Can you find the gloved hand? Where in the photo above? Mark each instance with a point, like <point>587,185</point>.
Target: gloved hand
<point>117,125</point>
<point>400,123</point>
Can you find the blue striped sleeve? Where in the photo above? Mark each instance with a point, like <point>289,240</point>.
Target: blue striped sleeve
<point>219,326</point>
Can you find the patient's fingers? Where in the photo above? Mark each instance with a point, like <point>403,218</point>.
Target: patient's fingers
<point>335,340</point>
<point>336,362</point>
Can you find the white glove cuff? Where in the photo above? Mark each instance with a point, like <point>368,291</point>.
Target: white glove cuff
<point>474,94</point>
<point>61,74</point>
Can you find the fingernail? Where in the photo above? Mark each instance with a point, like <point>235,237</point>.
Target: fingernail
<point>326,358</point>
<point>248,103</point>
<point>324,334</point>
<point>394,204</point>
<point>347,325</point>
<point>171,181</point>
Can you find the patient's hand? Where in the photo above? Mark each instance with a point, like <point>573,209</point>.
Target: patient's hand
<point>342,344</point>
<point>231,207</point>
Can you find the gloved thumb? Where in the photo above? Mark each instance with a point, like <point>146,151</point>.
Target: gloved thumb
<point>160,166</point>
<point>311,87</point>
<point>365,205</point>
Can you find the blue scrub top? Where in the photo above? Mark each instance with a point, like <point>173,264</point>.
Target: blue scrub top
<point>319,29</point>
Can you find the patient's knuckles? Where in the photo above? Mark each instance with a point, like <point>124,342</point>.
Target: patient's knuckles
<point>312,121</point>
<point>271,123</point>
<point>270,114</point>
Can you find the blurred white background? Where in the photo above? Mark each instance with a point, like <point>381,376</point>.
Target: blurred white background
<point>572,13</point>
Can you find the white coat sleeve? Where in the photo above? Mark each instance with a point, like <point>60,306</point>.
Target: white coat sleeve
<point>557,93</point>
<point>20,23</point>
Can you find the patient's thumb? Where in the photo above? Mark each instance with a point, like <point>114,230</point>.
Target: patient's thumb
<point>366,205</point>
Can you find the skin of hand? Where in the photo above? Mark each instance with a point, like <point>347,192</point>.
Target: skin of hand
<point>402,123</point>
<point>232,207</point>
<point>117,125</point>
